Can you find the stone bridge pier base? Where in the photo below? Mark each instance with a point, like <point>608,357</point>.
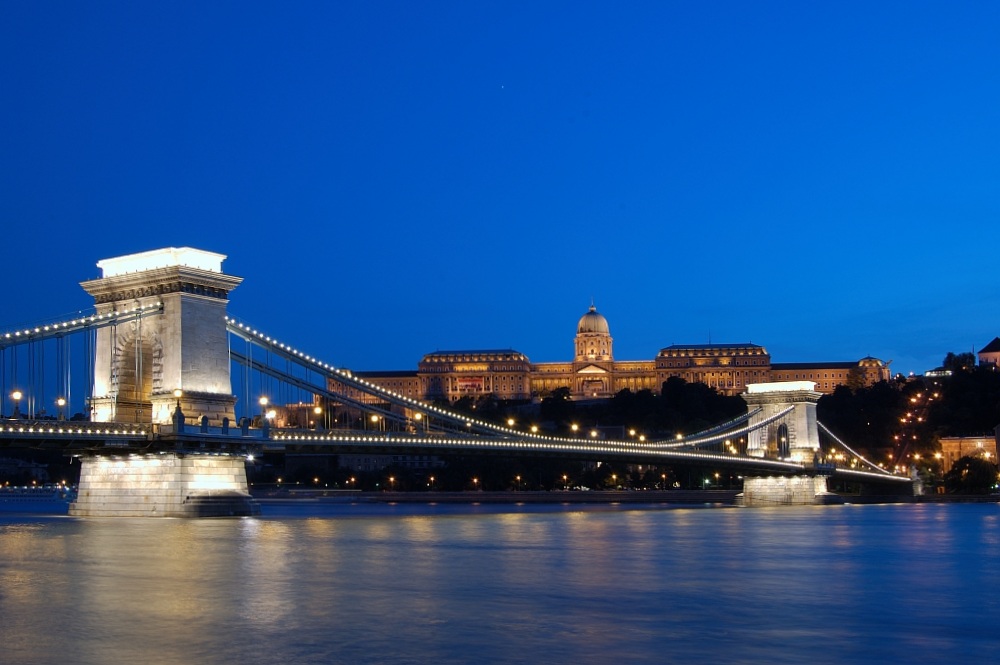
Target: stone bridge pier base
<point>163,485</point>
<point>787,491</point>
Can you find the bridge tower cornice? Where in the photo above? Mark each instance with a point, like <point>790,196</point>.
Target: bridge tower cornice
<point>161,281</point>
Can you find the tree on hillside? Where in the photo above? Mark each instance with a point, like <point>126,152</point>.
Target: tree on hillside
<point>959,362</point>
<point>971,475</point>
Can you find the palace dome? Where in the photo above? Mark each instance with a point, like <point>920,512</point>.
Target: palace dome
<point>592,322</point>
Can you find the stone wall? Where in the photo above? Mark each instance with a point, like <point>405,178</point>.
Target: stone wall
<point>164,485</point>
<point>785,491</point>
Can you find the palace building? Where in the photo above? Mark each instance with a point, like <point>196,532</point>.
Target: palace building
<point>594,373</point>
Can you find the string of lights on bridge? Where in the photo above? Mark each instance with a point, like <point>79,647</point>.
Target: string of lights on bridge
<point>39,332</point>
<point>345,376</point>
<point>722,433</point>
<point>654,448</point>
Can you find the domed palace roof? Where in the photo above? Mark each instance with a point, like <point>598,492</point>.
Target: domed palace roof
<point>592,322</point>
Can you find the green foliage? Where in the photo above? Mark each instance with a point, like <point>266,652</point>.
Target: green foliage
<point>959,362</point>
<point>971,475</point>
<point>558,406</point>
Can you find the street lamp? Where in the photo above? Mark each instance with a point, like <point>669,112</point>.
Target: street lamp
<point>392,483</point>
<point>16,396</point>
<point>575,428</point>
<point>518,478</point>
<point>475,483</point>
<point>565,483</point>
<point>178,414</point>
<point>263,409</point>
<point>61,403</point>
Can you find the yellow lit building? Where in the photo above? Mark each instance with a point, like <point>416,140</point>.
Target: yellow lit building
<point>594,373</point>
<point>954,448</point>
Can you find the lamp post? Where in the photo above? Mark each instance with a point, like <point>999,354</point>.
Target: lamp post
<point>61,403</point>
<point>317,412</point>
<point>16,396</point>
<point>178,414</point>
<point>263,408</point>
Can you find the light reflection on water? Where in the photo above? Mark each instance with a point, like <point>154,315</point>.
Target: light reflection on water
<point>504,584</point>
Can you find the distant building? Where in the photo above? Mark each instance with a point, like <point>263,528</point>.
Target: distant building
<point>954,448</point>
<point>594,373</point>
<point>989,355</point>
<point>828,376</point>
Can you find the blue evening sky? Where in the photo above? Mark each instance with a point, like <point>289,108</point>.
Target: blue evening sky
<point>395,178</point>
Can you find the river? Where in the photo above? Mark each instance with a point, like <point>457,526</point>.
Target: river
<point>355,584</point>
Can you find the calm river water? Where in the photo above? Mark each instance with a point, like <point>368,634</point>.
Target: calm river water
<point>507,584</point>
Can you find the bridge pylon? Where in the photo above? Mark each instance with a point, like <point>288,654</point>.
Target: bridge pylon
<point>183,346</point>
<point>795,437</point>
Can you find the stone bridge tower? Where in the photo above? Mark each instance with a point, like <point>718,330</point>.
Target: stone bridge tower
<point>139,364</point>
<point>794,437</point>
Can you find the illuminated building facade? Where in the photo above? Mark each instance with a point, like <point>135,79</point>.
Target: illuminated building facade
<point>989,355</point>
<point>594,373</point>
<point>828,376</point>
<point>954,448</point>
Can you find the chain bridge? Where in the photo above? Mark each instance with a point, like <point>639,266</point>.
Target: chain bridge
<point>162,396</point>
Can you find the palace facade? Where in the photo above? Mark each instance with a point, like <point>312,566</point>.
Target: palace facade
<point>594,373</point>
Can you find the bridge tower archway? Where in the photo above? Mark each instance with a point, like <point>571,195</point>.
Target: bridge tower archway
<point>182,346</point>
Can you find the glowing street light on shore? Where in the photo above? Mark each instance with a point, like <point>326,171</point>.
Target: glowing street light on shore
<point>61,403</point>
<point>16,396</point>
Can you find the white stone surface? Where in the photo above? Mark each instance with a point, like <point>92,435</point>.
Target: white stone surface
<point>781,386</point>
<point>156,485</point>
<point>783,491</point>
<point>162,258</point>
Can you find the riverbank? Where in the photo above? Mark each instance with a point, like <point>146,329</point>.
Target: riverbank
<point>689,497</point>
<point>722,497</point>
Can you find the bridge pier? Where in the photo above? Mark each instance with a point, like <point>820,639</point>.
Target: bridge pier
<point>794,437</point>
<point>163,485</point>
<point>787,491</point>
